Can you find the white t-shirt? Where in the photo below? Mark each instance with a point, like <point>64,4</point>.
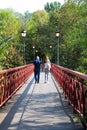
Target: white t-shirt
<point>47,65</point>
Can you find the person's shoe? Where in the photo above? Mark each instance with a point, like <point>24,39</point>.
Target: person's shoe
<point>35,82</point>
<point>45,81</point>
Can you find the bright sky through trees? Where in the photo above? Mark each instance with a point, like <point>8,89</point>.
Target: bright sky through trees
<point>22,6</point>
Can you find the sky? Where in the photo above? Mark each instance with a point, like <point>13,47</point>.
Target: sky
<point>22,6</point>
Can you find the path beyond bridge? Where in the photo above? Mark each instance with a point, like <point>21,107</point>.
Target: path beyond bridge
<point>38,107</point>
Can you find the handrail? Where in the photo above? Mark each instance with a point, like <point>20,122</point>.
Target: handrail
<point>74,85</point>
<point>12,79</point>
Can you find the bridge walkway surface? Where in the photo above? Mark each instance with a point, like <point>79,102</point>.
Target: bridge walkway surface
<point>38,107</point>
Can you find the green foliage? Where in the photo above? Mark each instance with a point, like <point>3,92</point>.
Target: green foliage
<point>37,31</point>
<point>8,23</point>
<point>71,20</point>
<point>9,28</point>
<point>73,40</point>
<point>11,58</point>
<point>40,26</point>
<point>52,6</point>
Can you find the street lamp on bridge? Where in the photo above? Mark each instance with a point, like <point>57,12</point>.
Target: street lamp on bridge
<point>57,35</point>
<point>23,34</point>
<point>51,53</point>
<point>34,51</point>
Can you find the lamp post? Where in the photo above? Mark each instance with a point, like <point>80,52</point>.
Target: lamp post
<point>23,34</point>
<point>50,47</point>
<point>34,51</point>
<point>57,35</point>
<point>50,53</point>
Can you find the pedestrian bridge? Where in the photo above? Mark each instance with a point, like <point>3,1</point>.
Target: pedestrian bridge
<point>44,106</point>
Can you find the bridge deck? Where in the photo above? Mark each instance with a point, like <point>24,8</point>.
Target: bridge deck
<point>38,107</point>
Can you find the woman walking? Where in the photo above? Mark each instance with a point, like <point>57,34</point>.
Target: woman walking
<point>47,67</point>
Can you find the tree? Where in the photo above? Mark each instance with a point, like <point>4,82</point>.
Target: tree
<point>73,28</point>
<point>52,6</point>
<point>9,26</point>
<point>11,59</point>
<point>37,32</point>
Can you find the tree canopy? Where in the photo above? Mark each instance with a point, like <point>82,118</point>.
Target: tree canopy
<point>70,19</point>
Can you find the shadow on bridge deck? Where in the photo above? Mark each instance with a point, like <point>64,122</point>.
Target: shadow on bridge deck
<point>38,107</point>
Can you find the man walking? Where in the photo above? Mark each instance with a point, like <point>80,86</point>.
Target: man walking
<point>37,64</point>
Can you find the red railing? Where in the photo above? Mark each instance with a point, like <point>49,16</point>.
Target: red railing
<point>12,79</point>
<point>74,85</point>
